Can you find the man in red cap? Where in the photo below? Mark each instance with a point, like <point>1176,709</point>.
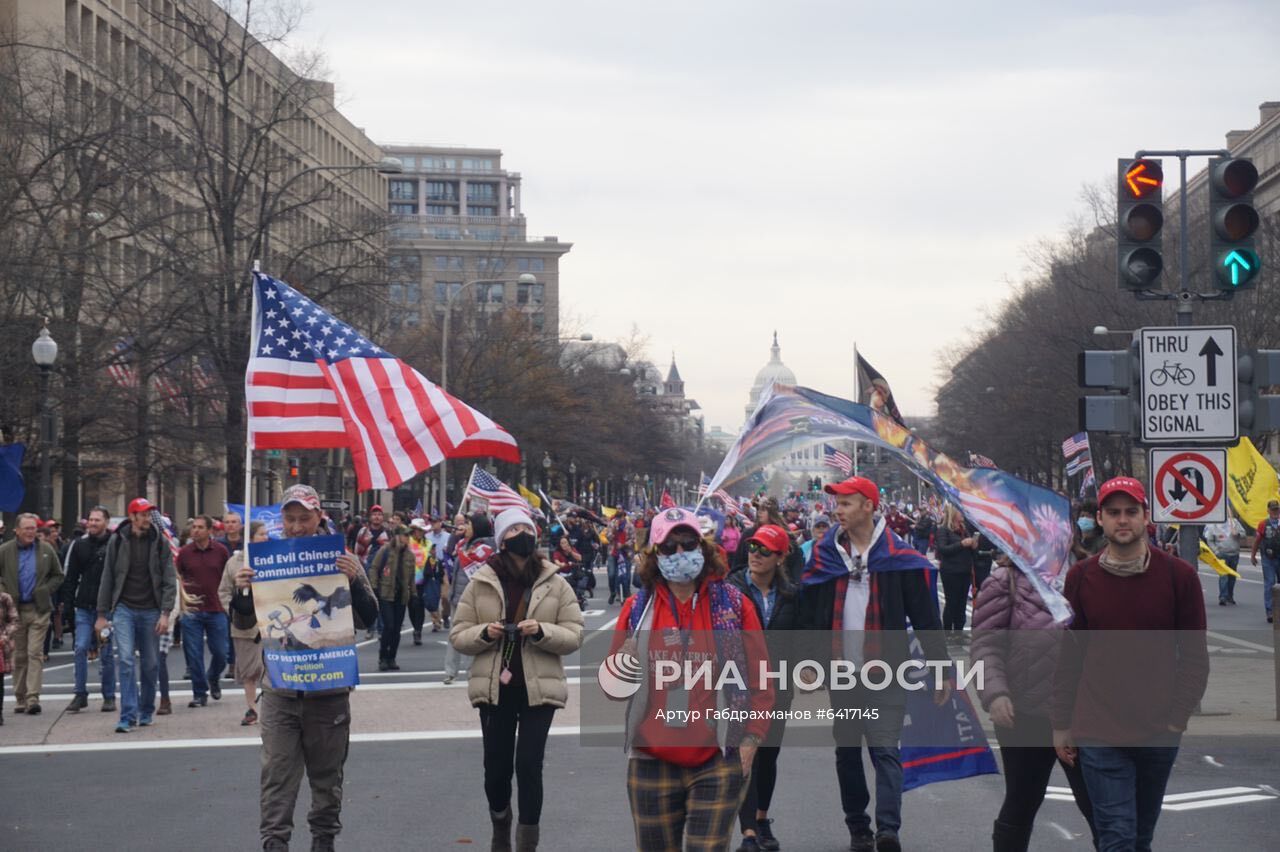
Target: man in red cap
<point>864,581</point>
<point>136,595</point>
<point>1120,706</point>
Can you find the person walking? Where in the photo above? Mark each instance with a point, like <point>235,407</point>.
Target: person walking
<point>200,566</point>
<point>473,550</point>
<point>31,573</point>
<point>1267,540</point>
<point>250,668</point>
<point>1015,638</point>
<point>518,618</point>
<point>1134,666</point>
<point>301,730</point>
<point>619,562</point>
<point>84,563</point>
<point>9,622</point>
<point>955,546</point>
<point>1224,540</point>
<point>767,585</point>
<point>391,574</point>
<point>421,549</point>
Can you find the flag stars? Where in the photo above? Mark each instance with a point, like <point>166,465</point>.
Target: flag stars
<point>271,294</point>
<point>333,353</point>
<point>312,320</point>
<point>294,353</point>
<point>271,314</point>
<point>266,350</point>
<point>297,312</point>
<point>296,334</point>
<point>284,323</point>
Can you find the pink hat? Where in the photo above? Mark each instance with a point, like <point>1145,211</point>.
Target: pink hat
<point>668,519</point>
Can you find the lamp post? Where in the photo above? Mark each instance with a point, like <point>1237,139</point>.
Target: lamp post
<point>546,472</point>
<point>525,278</point>
<point>44,350</point>
<point>573,480</point>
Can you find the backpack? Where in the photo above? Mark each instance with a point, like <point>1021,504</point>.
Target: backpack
<point>1271,539</point>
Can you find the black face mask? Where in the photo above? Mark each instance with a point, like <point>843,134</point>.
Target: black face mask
<point>521,544</point>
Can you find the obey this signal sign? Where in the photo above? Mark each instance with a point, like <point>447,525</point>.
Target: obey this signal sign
<point>1188,486</point>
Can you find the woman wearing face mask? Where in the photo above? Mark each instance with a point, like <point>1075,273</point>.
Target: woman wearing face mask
<point>684,782</point>
<point>518,617</point>
<point>1088,538</point>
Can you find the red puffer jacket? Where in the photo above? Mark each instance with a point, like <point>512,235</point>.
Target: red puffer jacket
<point>1016,639</point>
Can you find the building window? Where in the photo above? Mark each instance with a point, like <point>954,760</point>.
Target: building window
<point>490,264</point>
<point>530,294</point>
<point>477,165</point>
<point>489,235</point>
<point>490,293</point>
<point>412,293</point>
<point>403,190</point>
<point>529,264</point>
<point>404,266</point>
<point>473,210</point>
<point>442,190</point>
<point>482,192</point>
<point>439,210</point>
<point>407,162</point>
<point>449,262</point>
<point>396,293</point>
<point>404,209</point>
<point>538,321</point>
<point>448,163</point>
<point>446,290</point>
<point>445,234</point>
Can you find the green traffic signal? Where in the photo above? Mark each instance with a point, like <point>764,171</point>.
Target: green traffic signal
<point>1233,219</point>
<point>1237,268</point>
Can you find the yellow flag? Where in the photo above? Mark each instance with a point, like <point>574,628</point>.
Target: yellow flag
<point>533,499</point>
<point>1252,482</point>
<point>609,511</point>
<point>1208,557</point>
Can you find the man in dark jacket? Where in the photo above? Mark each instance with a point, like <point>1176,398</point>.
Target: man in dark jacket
<point>301,729</point>
<point>862,577</point>
<point>84,564</point>
<point>136,595</point>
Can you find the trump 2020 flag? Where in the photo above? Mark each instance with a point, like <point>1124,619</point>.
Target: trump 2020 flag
<point>315,382</point>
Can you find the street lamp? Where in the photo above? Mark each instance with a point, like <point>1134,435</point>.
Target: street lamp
<point>546,472</point>
<point>1103,331</point>
<point>573,480</point>
<point>44,350</point>
<point>525,278</point>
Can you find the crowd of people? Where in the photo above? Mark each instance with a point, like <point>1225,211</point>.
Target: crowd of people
<point>511,589</point>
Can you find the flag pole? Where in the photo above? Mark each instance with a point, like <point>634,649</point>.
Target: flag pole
<point>857,397</point>
<point>248,420</point>
<point>465,503</point>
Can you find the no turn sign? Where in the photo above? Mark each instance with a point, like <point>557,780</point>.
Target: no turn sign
<point>1188,486</point>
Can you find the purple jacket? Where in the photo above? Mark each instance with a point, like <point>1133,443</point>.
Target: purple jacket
<point>1016,640</point>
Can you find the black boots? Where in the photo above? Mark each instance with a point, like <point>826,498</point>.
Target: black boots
<point>1006,837</point>
<point>501,831</point>
<point>526,838</point>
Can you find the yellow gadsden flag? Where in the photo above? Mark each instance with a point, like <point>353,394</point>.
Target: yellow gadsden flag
<point>1252,482</point>
<point>533,499</point>
<point>1208,557</point>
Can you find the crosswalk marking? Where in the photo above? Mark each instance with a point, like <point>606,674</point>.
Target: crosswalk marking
<point>1191,801</point>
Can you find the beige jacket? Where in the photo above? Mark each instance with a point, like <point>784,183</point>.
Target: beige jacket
<point>552,603</point>
<point>226,589</point>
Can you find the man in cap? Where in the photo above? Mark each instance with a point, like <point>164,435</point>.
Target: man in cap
<point>1122,698</point>
<point>303,730</point>
<point>31,573</point>
<point>1268,539</point>
<point>861,579</point>
<point>136,595</point>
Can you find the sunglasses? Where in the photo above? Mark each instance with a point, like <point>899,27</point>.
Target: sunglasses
<point>759,549</point>
<point>686,543</point>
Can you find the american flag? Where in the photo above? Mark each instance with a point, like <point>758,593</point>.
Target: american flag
<point>704,485</point>
<point>979,460</point>
<point>158,521</point>
<point>1075,444</point>
<point>119,368</point>
<point>499,495</point>
<point>315,382</point>
<point>730,505</point>
<point>1089,480</point>
<point>668,502</point>
<point>205,384</point>
<point>170,391</point>
<point>1084,461</point>
<point>841,461</point>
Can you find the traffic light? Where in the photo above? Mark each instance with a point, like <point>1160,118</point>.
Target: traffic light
<point>1117,371</point>
<point>293,467</point>
<point>1256,372</point>
<point>1139,218</point>
<point>1233,220</point>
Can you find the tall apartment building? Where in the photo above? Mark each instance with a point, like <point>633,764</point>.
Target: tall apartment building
<point>458,222</point>
<point>102,44</point>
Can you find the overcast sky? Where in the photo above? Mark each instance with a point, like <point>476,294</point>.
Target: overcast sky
<point>840,171</point>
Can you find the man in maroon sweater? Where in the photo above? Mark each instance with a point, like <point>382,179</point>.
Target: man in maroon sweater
<point>199,566</point>
<point>1132,670</point>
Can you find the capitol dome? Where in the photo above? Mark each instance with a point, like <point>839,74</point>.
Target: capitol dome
<point>773,372</point>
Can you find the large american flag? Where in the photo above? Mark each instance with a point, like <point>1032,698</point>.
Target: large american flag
<point>315,382</point>
<point>499,495</point>
<point>730,504</point>
<point>841,461</point>
<point>119,367</point>
<point>1075,444</point>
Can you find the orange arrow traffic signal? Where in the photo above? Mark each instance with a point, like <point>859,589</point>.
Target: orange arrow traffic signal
<point>1143,177</point>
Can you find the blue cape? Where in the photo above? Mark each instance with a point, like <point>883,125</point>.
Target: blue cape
<point>888,553</point>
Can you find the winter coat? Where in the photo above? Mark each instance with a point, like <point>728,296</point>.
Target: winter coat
<point>83,566</point>
<point>390,561</point>
<point>8,627</point>
<point>1016,639</point>
<point>48,574</point>
<point>115,567</point>
<point>785,616</point>
<point>953,557</point>
<point>552,603</point>
<point>226,590</point>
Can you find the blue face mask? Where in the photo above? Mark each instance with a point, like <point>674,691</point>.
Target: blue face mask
<point>1085,524</point>
<point>682,566</point>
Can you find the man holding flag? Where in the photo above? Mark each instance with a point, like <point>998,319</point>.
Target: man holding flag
<point>864,583</point>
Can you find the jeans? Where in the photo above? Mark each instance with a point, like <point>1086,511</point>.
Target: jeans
<point>392,623</point>
<point>1227,583</point>
<point>85,619</point>
<point>455,660</point>
<point>196,627</point>
<point>920,543</point>
<point>135,631</point>
<point>882,742</point>
<point>1126,787</point>
<point>1270,568</point>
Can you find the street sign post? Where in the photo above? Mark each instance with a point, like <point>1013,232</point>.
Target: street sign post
<point>1188,485</point>
<point>1188,381</point>
<point>335,505</point>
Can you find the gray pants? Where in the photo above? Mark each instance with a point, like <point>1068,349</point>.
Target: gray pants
<point>455,660</point>
<point>303,733</point>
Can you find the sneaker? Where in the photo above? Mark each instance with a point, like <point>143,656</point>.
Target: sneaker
<point>764,836</point>
<point>448,679</point>
<point>215,690</point>
<point>108,705</point>
<point>199,701</point>
<point>250,718</point>
<point>123,728</point>
<point>1231,601</point>
<point>186,675</point>
<point>887,841</point>
<point>33,709</point>
<point>165,707</point>
<point>382,665</point>
<point>417,637</point>
<point>77,704</point>
<point>1222,601</point>
<point>862,840</point>
<point>748,844</point>
<point>392,666</point>
<point>145,722</point>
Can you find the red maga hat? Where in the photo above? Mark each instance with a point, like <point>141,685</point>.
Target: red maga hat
<point>856,485</point>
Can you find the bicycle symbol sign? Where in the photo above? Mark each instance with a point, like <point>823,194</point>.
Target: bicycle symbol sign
<point>1188,376</point>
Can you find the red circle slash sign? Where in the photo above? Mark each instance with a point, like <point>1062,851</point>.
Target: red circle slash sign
<point>1170,469</point>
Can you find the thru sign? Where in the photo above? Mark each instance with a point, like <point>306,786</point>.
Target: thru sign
<point>1188,486</point>
<point>1188,379</point>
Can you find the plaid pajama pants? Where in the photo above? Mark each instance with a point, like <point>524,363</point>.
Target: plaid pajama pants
<point>685,807</point>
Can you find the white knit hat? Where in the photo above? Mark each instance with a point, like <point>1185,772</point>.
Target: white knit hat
<point>507,519</point>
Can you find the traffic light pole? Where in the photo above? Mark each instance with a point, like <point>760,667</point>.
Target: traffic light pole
<point>1188,534</point>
